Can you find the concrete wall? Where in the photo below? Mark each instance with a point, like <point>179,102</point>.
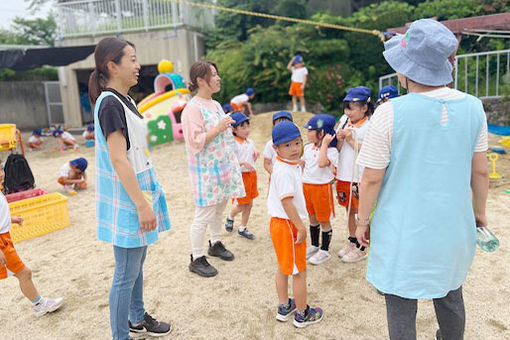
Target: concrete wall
<point>23,103</point>
<point>181,46</point>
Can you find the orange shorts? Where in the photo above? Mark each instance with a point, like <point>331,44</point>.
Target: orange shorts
<point>250,186</point>
<point>237,107</point>
<point>14,264</point>
<point>343,193</point>
<point>319,201</point>
<point>291,256</point>
<point>295,89</point>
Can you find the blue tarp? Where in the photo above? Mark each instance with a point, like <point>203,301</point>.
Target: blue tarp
<point>499,130</point>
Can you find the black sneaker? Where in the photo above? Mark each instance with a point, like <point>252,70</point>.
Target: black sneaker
<point>219,250</point>
<point>229,225</point>
<point>150,327</point>
<point>201,267</point>
<point>246,233</point>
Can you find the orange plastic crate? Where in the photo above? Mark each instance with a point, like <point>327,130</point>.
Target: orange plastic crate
<point>41,215</point>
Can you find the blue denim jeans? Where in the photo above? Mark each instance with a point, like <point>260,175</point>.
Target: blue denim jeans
<point>126,295</point>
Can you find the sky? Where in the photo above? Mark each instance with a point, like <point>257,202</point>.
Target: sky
<point>9,9</point>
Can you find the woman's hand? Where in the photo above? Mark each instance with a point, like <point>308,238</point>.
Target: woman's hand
<point>224,124</point>
<point>363,235</point>
<point>146,217</point>
<point>17,220</point>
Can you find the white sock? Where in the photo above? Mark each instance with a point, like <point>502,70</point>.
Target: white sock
<point>294,109</point>
<point>242,228</point>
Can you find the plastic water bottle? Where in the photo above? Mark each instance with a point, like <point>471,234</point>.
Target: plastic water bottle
<point>486,240</point>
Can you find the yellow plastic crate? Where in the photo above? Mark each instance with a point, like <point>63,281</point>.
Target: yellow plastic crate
<point>41,215</point>
<point>7,137</point>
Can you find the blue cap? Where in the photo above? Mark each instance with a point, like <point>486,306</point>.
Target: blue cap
<point>250,91</point>
<point>285,132</point>
<point>81,163</point>
<point>298,59</point>
<point>37,132</point>
<point>227,107</point>
<point>90,127</point>
<point>325,122</point>
<point>357,94</point>
<point>282,114</point>
<point>239,118</point>
<point>57,132</point>
<point>388,91</point>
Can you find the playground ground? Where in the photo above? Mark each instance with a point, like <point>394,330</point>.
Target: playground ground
<point>239,303</point>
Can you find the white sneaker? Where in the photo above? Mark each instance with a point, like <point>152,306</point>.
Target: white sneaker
<point>310,251</point>
<point>355,255</point>
<point>320,257</point>
<point>303,109</point>
<point>348,247</point>
<point>294,109</point>
<point>47,305</point>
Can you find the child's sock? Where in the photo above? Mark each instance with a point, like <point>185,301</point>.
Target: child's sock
<point>37,300</point>
<point>315,231</point>
<point>304,312</point>
<point>242,228</point>
<point>303,109</point>
<point>294,108</point>
<point>326,239</point>
<point>285,305</point>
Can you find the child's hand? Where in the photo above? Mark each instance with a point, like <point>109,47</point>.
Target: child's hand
<point>302,163</point>
<point>256,155</point>
<point>224,124</point>
<point>248,166</point>
<point>348,134</point>
<point>3,260</point>
<point>301,236</point>
<point>17,220</point>
<point>328,139</point>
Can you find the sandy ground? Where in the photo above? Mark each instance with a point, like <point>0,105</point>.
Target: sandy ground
<point>240,302</point>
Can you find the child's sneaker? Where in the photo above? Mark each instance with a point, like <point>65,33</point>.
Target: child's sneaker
<point>246,233</point>
<point>355,255</point>
<point>308,317</point>
<point>320,257</point>
<point>348,247</point>
<point>310,251</point>
<point>47,305</point>
<point>229,225</point>
<point>285,311</point>
<point>150,327</point>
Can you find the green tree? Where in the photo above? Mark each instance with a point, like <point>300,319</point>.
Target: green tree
<point>40,31</point>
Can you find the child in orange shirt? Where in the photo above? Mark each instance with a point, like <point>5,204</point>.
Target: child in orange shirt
<point>287,208</point>
<point>247,155</point>
<point>11,264</point>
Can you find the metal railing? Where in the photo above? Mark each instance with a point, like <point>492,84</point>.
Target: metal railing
<point>98,17</point>
<point>483,74</point>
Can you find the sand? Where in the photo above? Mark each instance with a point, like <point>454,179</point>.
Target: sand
<point>240,302</point>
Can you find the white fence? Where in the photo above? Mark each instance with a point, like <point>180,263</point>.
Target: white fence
<point>483,74</point>
<point>98,17</point>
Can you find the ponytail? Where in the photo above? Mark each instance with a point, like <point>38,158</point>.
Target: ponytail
<point>97,85</point>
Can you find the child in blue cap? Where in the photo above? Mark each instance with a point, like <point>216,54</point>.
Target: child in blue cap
<point>269,152</point>
<point>320,156</point>
<point>88,134</point>
<point>287,208</point>
<point>386,93</point>
<point>228,109</point>
<point>247,155</point>
<point>72,175</point>
<point>65,140</point>
<point>358,107</point>
<point>35,141</point>
<point>298,81</point>
<point>241,101</point>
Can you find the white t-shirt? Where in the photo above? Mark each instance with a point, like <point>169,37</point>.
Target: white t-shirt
<point>346,165</point>
<point>298,74</point>
<point>245,150</point>
<point>64,170</point>
<point>67,135</point>
<point>87,133</point>
<point>286,182</point>
<point>35,139</point>
<point>375,152</point>
<point>242,98</point>
<point>313,174</point>
<point>5,215</point>
<point>270,152</point>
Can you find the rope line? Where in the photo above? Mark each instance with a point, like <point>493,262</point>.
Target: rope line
<point>278,17</point>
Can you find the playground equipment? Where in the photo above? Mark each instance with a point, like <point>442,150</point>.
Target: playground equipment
<point>493,157</point>
<point>163,108</point>
<point>505,141</point>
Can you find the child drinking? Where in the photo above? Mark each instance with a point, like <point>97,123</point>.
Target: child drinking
<point>358,107</point>
<point>269,151</point>
<point>72,175</point>
<point>11,264</point>
<point>320,156</point>
<point>287,208</point>
<point>247,155</point>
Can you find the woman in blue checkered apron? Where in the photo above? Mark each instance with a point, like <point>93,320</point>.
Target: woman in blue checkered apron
<point>130,204</point>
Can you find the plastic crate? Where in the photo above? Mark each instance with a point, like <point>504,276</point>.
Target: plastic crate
<point>41,215</point>
<point>7,137</point>
<point>18,196</point>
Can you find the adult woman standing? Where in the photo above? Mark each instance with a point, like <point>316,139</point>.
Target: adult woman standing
<point>130,204</point>
<point>431,189</point>
<point>214,169</point>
